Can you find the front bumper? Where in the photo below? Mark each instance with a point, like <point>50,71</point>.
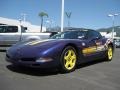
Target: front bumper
<point>33,63</point>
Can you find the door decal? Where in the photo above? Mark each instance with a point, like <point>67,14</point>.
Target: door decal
<point>89,50</point>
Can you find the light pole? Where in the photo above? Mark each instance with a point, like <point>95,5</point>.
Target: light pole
<point>24,16</point>
<point>113,22</point>
<point>50,22</point>
<point>62,16</point>
<point>20,21</point>
<point>68,15</point>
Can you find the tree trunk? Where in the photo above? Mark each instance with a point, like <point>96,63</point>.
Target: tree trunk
<point>41,24</point>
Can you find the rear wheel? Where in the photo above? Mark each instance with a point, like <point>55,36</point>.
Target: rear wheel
<point>109,55</point>
<point>68,59</point>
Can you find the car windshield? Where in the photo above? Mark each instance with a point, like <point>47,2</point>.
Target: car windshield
<point>70,35</point>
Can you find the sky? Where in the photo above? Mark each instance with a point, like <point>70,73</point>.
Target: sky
<point>85,13</point>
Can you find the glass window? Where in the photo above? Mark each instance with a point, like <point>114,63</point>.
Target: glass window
<point>11,29</point>
<point>70,35</point>
<point>8,29</point>
<point>97,34</point>
<point>2,29</point>
<point>93,34</point>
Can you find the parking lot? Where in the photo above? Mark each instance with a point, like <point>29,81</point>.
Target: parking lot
<point>98,75</point>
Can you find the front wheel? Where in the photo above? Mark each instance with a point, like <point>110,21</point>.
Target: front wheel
<point>68,59</point>
<point>109,53</point>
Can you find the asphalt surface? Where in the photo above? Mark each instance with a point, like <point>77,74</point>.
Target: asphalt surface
<point>97,75</point>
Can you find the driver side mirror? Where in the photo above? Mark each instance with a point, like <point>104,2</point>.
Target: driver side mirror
<point>25,28</point>
<point>95,38</point>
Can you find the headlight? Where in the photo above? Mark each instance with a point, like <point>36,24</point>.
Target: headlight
<point>42,60</point>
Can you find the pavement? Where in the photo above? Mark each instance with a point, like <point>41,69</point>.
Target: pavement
<point>96,75</point>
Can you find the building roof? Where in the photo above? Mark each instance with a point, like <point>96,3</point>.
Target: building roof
<point>31,27</point>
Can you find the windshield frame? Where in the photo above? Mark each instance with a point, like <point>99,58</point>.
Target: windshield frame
<point>61,35</point>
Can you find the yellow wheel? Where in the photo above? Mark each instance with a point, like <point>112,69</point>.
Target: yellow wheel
<point>109,53</point>
<point>68,59</point>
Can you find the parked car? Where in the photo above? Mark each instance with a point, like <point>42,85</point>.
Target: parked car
<point>11,34</point>
<point>63,51</point>
<point>117,43</point>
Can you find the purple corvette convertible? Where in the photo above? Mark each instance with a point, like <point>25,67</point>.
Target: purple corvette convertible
<point>63,50</point>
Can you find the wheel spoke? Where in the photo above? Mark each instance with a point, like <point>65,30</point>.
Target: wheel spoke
<point>66,58</point>
<point>71,63</point>
<point>73,57</point>
<point>69,53</point>
<point>67,64</point>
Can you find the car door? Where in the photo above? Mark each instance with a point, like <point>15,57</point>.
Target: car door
<point>9,35</point>
<point>90,48</point>
<point>99,40</point>
<point>94,45</point>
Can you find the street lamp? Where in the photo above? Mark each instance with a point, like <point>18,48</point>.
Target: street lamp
<point>20,21</point>
<point>62,16</point>
<point>24,16</point>
<point>113,22</point>
<point>49,23</point>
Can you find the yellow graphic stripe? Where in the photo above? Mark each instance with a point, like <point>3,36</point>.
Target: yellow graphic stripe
<point>36,42</point>
<point>32,42</point>
<point>89,50</point>
<point>100,48</point>
<point>93,49</point>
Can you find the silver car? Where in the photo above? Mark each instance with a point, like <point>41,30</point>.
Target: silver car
<point>117,43</point>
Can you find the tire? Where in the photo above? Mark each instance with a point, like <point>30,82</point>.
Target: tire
<point>68,60</point>
<point>109,53</point>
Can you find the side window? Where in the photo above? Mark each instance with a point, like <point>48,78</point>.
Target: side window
<point>89,35</point>
<point>96,34</point>
<point>11,29</point>
<point>93,34</point>
<point>71,35</point>
<point>2,29</point>
<point>82,34</point>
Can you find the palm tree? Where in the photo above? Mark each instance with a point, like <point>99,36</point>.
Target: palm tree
<point>42,14</point>
<point>68,15</point>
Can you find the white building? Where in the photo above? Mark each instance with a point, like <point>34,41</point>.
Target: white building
<point>30,27</point>
<point>108,35</point>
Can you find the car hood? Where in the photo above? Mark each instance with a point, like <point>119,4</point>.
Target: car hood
<point>31,48</point>
<point>36,47</point>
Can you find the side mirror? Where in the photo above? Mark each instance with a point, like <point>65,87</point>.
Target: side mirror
<point>96,38</point>
<point>25,28</point>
